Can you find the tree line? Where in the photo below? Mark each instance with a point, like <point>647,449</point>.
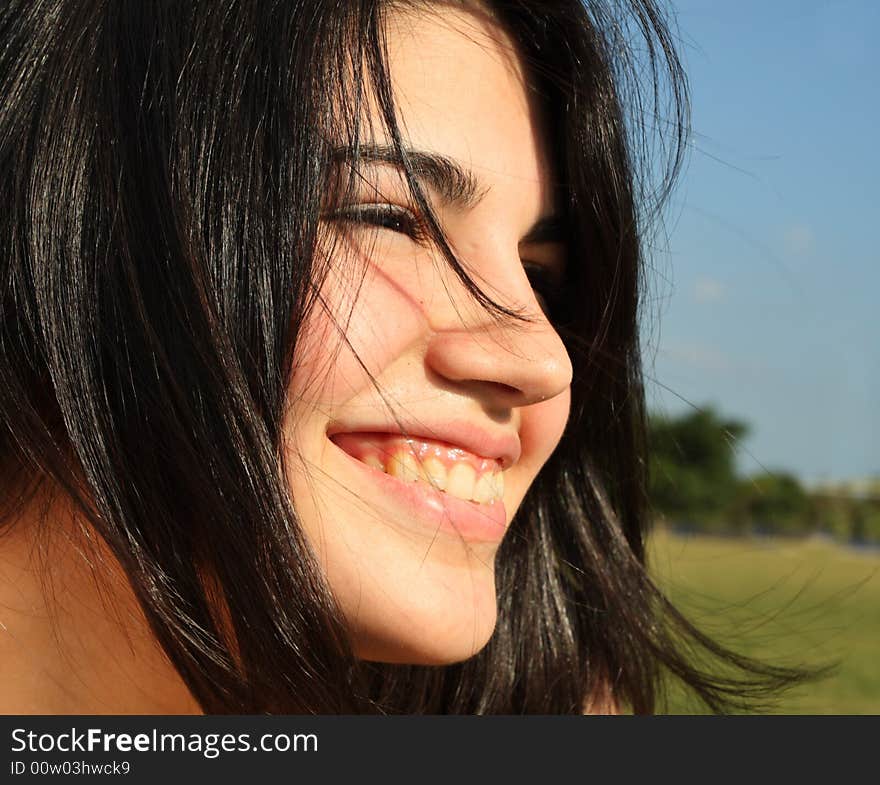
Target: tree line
<point>694,485</point>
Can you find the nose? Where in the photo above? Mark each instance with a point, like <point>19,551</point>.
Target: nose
<point>513,363</point>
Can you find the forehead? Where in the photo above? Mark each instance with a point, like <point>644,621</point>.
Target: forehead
<point>460,89</point>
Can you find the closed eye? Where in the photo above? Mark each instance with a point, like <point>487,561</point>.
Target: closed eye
<point>545,284</point>
<point>388,216</point>
<point>545,279</point>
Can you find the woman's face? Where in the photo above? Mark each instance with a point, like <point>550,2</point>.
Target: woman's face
<point>407,531</point>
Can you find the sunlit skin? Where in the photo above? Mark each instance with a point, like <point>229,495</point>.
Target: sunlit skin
<point>411,590</point>
<point>73,639</point>
<point>72,636</point>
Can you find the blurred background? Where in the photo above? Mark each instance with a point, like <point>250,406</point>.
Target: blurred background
<point>762,354</point>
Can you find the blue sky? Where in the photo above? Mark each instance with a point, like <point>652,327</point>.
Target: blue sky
<point>768,287</point>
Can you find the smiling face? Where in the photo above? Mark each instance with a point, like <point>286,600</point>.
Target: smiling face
<point>406,529</point>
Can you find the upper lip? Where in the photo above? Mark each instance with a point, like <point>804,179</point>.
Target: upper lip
<point>501,446</point>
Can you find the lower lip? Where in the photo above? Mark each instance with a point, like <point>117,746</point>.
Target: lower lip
<point>438,511</point>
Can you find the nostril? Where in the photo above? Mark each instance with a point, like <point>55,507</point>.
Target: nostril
<point>508,389</point>
<point>517,396</point>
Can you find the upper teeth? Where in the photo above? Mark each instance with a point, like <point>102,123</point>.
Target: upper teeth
<point>461,480</point>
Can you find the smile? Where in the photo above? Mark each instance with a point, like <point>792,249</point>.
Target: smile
<point>445,468</point>
<point>408,473</point>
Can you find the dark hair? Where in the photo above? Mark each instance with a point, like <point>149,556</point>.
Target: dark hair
<point>164,167</point>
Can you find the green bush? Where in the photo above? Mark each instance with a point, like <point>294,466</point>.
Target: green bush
<point>693,484</point>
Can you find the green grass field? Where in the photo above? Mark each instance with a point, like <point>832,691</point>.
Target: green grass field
<point>787,602</point>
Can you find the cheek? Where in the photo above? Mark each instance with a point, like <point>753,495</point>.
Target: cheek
<point>542,427</point>
<point>360,324</point>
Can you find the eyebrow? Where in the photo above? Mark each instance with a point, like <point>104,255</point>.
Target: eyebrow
<point>456,186</point>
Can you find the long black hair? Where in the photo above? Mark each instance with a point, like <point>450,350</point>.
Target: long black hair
<point>164,166</point>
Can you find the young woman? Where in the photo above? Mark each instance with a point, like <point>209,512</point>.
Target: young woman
<point>320,375</point>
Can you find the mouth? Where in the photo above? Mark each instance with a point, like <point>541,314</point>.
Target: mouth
<point>435,484</point>
<point>446,468</point>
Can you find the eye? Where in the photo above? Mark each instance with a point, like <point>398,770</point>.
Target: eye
<point>547,287</point>
<point>392,217</point>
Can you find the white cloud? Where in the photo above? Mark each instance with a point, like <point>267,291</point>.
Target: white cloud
<point>705,358</point>
<point>708,290</point>
<point>697,355</point>
<point>798,240</point>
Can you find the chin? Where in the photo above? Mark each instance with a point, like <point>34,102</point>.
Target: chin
<point>442,637</point>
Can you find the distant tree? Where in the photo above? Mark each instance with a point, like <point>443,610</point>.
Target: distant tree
<point>775,502</point>
<point>693,482</point>
<point>833,513</point>
<point>866,522</point>
<point>692,468</point>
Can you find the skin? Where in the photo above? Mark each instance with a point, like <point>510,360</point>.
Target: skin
<point>73,639</point>
<point>411,592</point>
<point>72,636</point>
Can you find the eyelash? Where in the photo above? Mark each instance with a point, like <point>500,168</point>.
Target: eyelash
<point>403,221</point>
<point>384,216</point>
